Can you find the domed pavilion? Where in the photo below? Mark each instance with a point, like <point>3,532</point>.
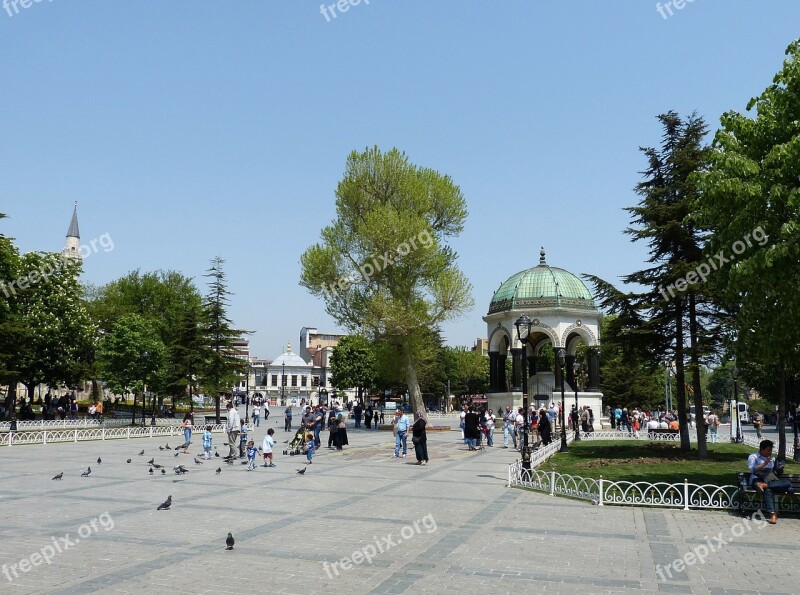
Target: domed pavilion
<point>563,314</point>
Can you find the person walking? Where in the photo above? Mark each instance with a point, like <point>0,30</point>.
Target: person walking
<point>257,415</point>
<point>713,426</point>
<point>420,439</point>
<point>266,410</point>
<point>187,432</point>
<point>472,429</point>
<point>368,417</point>
<point>758,421</point>
<point>287,418</point>
<point>357,411</point>
<point>508,427</point>
<point>400,424</point>
<point>490,419</point>
<point>208,437</point>
<point>233,426</point>
<point>545,428</point>
<point>266,448</point>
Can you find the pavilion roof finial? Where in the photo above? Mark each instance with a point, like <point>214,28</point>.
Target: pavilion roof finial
<point>541,256</point>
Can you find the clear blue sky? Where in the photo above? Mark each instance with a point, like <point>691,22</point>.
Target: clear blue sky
<point>189,129</point>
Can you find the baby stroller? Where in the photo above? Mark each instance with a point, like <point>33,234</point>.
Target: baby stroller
<point>297,443</point>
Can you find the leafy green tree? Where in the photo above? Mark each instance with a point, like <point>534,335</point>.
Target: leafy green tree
<point>353,364</point>
<point>54,330</point>
<point>468,371</point>
<point>383,267</point>
<point>750,195</point>
<point>221,369</point>
<point>130,353</point>
<point>654,319</point>
<point>10,329</point>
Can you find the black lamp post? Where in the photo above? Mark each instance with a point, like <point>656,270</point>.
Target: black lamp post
<point>562,357</point>
<point>283,382</point>
<point>523,325</point>
<point>145,357</point>
<point>796,443</point>
<point>735,376</point>
<point>576,421</point>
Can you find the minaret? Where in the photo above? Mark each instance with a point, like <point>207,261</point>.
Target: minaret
<point>73,246</point>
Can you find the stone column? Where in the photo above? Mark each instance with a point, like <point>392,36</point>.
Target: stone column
<point>571,370</point>
<point>493,371</point>
<point>516,369</point>
<point>502,385</point>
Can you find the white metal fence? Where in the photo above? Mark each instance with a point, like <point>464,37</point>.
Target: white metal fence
<point>661,494</point>
<point>80,435</point>
<point>59,424</point>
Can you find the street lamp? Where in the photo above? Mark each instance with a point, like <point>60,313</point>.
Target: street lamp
<point>735,376</point>
<point>145,357</point>
<point>575,371</point>
<point>562,357</point>
<point>283,382</point>
<point>523,325</point>
<point>796,443</point>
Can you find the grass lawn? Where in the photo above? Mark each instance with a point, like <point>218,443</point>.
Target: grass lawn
<point>654,461</point>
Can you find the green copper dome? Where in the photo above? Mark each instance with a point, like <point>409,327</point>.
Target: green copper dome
<point>542,286</point>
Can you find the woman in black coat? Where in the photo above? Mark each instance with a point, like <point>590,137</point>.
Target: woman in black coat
<point>545,429</point>
<point>420,439</point>
<point>472,428</point>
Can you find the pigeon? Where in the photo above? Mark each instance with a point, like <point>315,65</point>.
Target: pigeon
<point>59,476</point>
<point>166,504</point>
<point>129,460</point>
<point>229,542</point>
<point>141,454</point>
<point>156,465</point>
<point>177,453</point>
<point>160,448</point>
<point>167,447</point>
<point>163,471</point>
<point>151,461</point>
<point>87,472</point>
<point>151,470</point>
<point>99,460</point>
<point>301,471</point>
<point>196,462</point>
<point>219,470</point>
<point>224,444</point>
<point>180,469</point>
<point>216,454</point>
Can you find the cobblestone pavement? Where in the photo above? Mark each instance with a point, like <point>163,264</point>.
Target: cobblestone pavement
<point>449,527</point>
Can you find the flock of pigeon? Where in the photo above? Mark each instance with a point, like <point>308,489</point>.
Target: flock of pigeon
<point>179,470</point>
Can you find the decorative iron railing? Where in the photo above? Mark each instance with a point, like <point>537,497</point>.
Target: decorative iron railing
<point>80,435</point>
<point>59,424</point>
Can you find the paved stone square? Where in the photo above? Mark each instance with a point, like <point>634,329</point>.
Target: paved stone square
<point>450,527</point>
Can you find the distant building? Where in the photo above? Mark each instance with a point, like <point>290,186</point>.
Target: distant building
<point>290,377</point>
<point>481,346</point>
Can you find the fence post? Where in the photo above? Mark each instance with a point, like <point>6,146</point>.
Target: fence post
<point>151,431</point>
<point>75,439</point>
<point>44,437</point>
<point>103,434</point>
<point>129,433</point>
<point>600,501</point>
<point>510,467</point>
<point>685,494</point>
<point>552,483</point>
<point>10,437</point>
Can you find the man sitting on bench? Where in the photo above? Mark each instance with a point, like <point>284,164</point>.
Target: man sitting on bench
<point>763,478</point>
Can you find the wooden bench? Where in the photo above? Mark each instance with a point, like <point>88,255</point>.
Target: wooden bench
<point>744,488</point>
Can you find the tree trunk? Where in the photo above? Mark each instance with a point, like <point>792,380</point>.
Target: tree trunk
<point>680,377</point>
<point>11,398</point>
<point>781,413</point>
<point>702,448</point>
<point>414,394</point>
<point>216,405</point>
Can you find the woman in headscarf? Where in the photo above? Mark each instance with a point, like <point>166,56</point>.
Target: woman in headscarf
<point>340,433</point>
<point>472,430</point>
<point>420,439</point>
<point>545,429</point>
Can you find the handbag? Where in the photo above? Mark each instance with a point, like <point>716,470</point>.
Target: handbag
<point>416,439</point>
<point>394,429</point>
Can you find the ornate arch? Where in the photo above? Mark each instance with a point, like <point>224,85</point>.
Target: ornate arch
<point>547,330</point>
<point>582,330</point>
<point>496,337</point>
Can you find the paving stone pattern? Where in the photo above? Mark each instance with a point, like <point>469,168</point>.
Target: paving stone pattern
<point>472,534</point>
